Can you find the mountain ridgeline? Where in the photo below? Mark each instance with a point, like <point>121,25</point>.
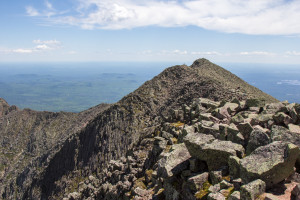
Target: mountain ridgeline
<point>47,155</point>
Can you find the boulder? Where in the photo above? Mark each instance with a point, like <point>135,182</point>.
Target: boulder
<point>209,127</point>
<point>221,113</point>
<point>273,108</point>
<point>245,129</point>
<point>215,176</point>
<point>295,129</point>
<point>208,117</point>
<point>234,166</point>
<point>216,196</point>
<point>174,162</point>
<point>282,118</point>
<point>231,107</point>
<point>195,141</point>
<point>263,119</point>
<point>258,137</point>
<point>214,152</point>
<point>234,135</point>
<point>236,195</point>
<point>195,183</point>
<point>253,189</point>
<point>185,131</point>
<point>280,133</point>
<point>214,188</point>
<point>225,184</point>
<point>255,103</point>
<point>208,103</point>
<point>271,163</point>
<point>293,113</point>
<point>296,190</point>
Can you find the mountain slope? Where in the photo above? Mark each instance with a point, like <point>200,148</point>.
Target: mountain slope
<point>115,131</point>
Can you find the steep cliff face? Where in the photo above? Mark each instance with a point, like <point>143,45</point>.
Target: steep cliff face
<point>115,131</point>
<point>27,141</point>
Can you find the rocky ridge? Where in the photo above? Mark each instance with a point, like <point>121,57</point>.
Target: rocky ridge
<point>112,133</point>
<point>208,150</point>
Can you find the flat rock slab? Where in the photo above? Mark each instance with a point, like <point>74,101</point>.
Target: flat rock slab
<point>271,163</point>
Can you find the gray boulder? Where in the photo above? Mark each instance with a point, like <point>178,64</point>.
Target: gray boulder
<point>245,129</point>
<point>174,162</point>
<point>234,166</point>
<point>280,133</point>
<point>271,163</point>
<point>295,129</point>
<point>255,103</point>
<point>214,152</point>
<point>208,103</point>
<point>282,118</point>
<point>253,189</point>
<point>216,196</point>
<point>258,137</point>
<point>195,141</point>
<point>236,195</point>
<point>195,183</point>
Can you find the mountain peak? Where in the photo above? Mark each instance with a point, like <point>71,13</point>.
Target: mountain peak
<point>200,62</point>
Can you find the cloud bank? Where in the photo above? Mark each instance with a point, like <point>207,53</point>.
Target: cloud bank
<point>269,17</point>
<point>41,46</point>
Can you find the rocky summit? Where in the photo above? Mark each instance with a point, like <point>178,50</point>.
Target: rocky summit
<point>192,132</point>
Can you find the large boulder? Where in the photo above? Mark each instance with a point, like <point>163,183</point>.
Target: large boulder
<point>214,152</point>
<point>280,133</point>
<point>271,163</point>
<point>255,103</point>
<point>195,141</point>
<point>174,162</point>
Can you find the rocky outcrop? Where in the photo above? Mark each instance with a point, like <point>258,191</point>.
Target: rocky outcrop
<point>62,159</point>
<point>271,163</point>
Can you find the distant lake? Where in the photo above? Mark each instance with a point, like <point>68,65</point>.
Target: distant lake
<point>78,86</point>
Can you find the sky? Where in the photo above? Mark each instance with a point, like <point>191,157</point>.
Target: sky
<point>241,31</point>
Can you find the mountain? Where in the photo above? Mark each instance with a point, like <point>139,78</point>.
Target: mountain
<point>45,155</point>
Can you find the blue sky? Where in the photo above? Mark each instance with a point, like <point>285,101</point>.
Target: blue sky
<point>255,31</point>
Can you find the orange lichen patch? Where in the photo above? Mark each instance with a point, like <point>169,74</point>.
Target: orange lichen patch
<point>202,194</point>
<point>177,124</point>
<point>227,178</point>
<point>174,140</point>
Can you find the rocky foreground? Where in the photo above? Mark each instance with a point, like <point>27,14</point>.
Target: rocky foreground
<point>209,150</point>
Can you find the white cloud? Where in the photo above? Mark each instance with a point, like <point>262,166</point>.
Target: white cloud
<point>173,52</point>
<point>48,5</point>
<point>257,53</point>
<point>206,53</point>
<point>293,53</point>
<point>273,17</point>
<point>41,46</point>
<point>32,11</point>
<point>22,50</point>
<point>289,82</point>
<point>50,42</point>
